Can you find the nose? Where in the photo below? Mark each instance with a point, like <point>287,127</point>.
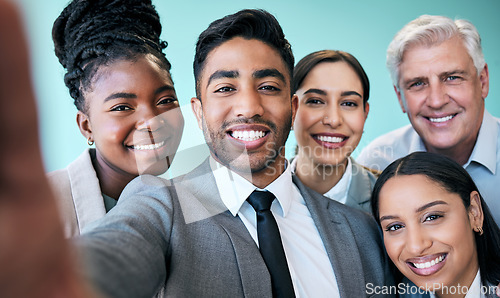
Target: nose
<point>149,120</point>
<point>417,241</point>
<point>332,117</point>
<point>248,104</point>
<point>438,96</point>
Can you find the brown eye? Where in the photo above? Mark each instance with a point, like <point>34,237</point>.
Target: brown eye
<point>120,108</point>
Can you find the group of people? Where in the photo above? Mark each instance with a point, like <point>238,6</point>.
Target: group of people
<point>404,219</point>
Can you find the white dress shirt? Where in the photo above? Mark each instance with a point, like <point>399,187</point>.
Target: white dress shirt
<point>340,190</point>
<point>310,268</point>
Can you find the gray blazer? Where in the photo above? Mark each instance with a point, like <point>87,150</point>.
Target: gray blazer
<point>179,235</point>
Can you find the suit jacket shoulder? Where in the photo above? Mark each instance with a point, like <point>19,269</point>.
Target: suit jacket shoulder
<point>78,194</point>
<point>176,235</point>
<point>361,187</point>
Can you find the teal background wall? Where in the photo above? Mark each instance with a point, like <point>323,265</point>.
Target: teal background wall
<point>363,28</point>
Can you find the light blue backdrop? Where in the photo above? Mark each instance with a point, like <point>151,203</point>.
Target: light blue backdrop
<point>363,28</point>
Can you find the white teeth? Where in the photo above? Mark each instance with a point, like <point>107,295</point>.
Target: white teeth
<point>330,139</point>
<point>442,119</point>
<point>429,264</point>
<point>148,147</point>
<point>248,135</point>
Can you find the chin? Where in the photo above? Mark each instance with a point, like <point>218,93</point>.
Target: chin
<point>155,168</point>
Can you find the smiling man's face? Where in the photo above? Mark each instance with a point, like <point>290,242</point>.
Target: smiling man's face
<point>246,109</point>
<point>443,96</point>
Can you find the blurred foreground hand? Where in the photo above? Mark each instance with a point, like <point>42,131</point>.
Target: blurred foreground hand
<point>35,260</point>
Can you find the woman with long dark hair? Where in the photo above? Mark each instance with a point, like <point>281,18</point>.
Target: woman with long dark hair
<point>437,229</point>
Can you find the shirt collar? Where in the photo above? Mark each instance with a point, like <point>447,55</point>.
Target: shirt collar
<point>485,149</point>
<point>416,143</point>
<point>340,190</point>
<point>234,189</point>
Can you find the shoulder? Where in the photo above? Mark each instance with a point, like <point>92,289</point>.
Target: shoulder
<point>366,172</point>
<point>386,148</point>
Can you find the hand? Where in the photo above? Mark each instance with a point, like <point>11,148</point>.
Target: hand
<point>35,258</point>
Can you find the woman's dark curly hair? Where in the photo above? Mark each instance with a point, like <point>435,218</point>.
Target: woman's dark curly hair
<point>93,33</point>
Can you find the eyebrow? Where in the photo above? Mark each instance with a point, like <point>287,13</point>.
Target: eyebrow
<point>314,90</point>
<point>231,74</point>
<point>420,209</point>
<point>347,93</point>
<point>268,72</point>
<point>428,205</point>
<point>127,95</point>
<point>322,92</point>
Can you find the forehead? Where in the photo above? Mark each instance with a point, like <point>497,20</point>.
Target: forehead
<point>448,55</point>
<point>332,74</point>
<point>409,192</point>
<point>129,71</point>
<point>244,56</point>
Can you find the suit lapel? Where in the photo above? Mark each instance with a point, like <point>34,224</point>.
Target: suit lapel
<point>199,195</point>
<point>338,239</point>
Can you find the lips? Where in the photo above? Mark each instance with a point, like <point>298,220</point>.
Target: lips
<point>249,136</point>
<point>330,141</point>
<point>145,143</point>
<point>153,146</point>
<point>441,119</point>
<point>427,265</point>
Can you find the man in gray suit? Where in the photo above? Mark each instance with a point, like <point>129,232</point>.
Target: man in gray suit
<point>196,236</point>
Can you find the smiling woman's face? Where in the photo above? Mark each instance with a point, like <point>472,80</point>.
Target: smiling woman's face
<point>133,117</point>
<point>428,233</point>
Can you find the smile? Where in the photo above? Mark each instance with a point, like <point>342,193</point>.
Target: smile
<point>248,135</point>
<point>426,266</point>
<point>441,119</point>
<point>149,147</point>
<point>429,264</point>
<point>329,139</point>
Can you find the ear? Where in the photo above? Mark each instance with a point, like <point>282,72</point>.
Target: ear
<point>84,125</point>
<point>367,109</point>
<point>475,211</point>
<point>197,108</point>
<point>400,99</point>
<point>295,106</point>
<point>484,78</point>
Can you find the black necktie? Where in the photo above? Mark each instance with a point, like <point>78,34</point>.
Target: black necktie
<point>270,244</point>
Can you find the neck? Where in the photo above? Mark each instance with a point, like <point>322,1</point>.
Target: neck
<point>265,176</point>
<point>459,290</point>
<point>460,155</point>
<point>111,180</point>
<point>319,177</point>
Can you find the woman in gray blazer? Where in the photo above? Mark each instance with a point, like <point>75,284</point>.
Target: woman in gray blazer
<point>333,90</point>
<point>437,229</point>
<point>119,79</point>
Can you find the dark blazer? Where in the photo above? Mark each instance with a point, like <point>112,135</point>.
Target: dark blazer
<point>179,235</point>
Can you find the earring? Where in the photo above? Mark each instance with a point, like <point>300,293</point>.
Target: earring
<point>90,142</point>
<point>479,230</point>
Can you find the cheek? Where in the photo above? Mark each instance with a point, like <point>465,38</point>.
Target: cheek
<point>393,248</point>
<point>215,114</point>
<point>304,119</point>
<point>356,122</point>
<point>174,120</point>
<point>113,130</point>
<point>414,101</point>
